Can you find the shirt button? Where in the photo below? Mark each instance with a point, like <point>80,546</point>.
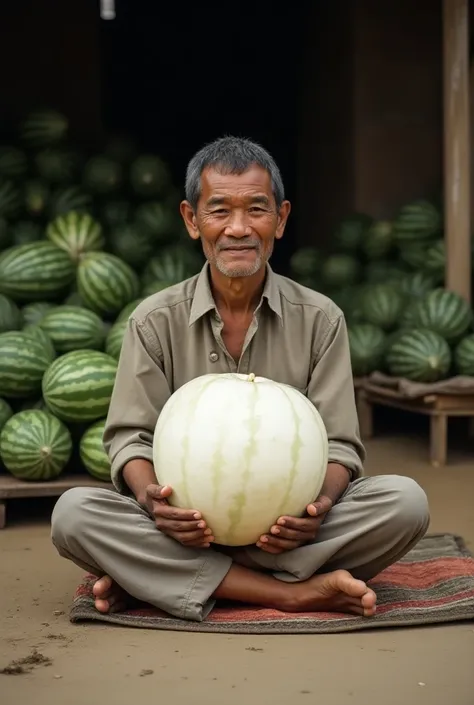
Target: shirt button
<point>213,357</point>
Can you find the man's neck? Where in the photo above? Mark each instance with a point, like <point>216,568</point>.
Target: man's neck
<point>240,295</point>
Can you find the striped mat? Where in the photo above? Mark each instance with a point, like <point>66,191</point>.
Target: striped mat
<point>433,584</point>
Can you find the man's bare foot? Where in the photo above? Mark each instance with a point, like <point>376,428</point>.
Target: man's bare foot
<point>334,592</point>
<point>109,597</point>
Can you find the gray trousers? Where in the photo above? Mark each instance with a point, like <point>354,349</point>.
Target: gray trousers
<point>375,523</point>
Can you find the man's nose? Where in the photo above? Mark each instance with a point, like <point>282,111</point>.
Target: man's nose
<point>238,225</point>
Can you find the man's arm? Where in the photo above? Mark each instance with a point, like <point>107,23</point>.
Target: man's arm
<point>331,390</point>
<point>139,394</point>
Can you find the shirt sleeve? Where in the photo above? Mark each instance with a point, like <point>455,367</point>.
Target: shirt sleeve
<point>331,390</point>
<point>140,392</point>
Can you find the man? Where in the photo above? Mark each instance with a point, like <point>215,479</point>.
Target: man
<point>236,315</point>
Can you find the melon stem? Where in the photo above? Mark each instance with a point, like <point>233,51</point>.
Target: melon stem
<point>45,450</point>
<point>251,377</point>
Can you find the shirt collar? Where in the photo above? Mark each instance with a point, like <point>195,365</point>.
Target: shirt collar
<point>203,301</point>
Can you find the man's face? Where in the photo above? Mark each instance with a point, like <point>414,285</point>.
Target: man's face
<point>237,220</point>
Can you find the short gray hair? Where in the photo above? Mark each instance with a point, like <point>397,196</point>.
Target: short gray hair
<point>231,155</point>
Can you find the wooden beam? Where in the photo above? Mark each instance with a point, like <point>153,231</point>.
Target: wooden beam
<point>457,147</point>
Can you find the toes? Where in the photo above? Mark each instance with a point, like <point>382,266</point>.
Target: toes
<point>343,581</point>
<point>102,586</point>
<point>101,606</point>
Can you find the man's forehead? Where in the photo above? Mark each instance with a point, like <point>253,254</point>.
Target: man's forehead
<point>253,182</point>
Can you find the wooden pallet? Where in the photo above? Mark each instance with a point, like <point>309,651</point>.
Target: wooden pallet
<point>439,407</point>
<point>11,488</point>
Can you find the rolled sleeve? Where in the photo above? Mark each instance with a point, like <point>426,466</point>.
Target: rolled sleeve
<point>140,392</point>
<point>331,390</point>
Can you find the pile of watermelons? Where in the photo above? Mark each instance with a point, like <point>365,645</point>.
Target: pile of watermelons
<point>83,238</point>
<point>388,278</point>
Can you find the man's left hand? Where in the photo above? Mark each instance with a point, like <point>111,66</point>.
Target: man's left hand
<point>290,532</point>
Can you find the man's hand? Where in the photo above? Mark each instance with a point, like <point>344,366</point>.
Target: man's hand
<point>184,525</point>
<point>291,532</point>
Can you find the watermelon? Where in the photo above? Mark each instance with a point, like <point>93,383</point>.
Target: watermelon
<point>419,355</point>
<point>24,232</point>
<point>131,244</point>
<point>417,284</point>
<point>74,299</point>
<point>23,362</point>
<point>305,264</point>
<point>10,315</point>
<point>36,196</point>
<point>115,213</point>
<point>445,313</point>
<point>156,220</point>
<point>35,331</point>
<point>464,356</point>
<point>5,412</point>
<point>435,260</point>
<point>35,446</point>
<point>36,271</point>
<point>76,233</point>
<point>127,311</point>
<point>378,240</point>
<point>92,452</point>
<point>57,165</point>
<point>367,348</point>
<point>10,199</point>
<point>382,305</point>
<point>105,283</point>
<point>13,162</point>
<point>242,464</point>
<point>33,313</point>
<point>44,128</point>
<point>113,344</point>
<point>419,220</point>
<point>340,270</point>
<point>383,272</point>
<point>149,175</point>
<point>102,175</point>
<point>73,328</point>
<point>351,231</point>
<point>77,386</point>
<point>69,198</point>
<point>413,254</point>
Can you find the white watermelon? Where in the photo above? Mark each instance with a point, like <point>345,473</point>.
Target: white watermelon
<point>242,450</point>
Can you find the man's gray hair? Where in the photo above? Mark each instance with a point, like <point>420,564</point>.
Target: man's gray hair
<point>231,155</point>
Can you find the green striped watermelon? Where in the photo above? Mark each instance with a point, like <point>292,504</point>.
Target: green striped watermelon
<point>382,305</point>
<point>115,213</point>
<point>464,356</point>
<point>5,412</point>
<point>435,260</point>
<point>76,233</point>
<point>351,231</point>
<point>367,348</point>
<point>171,266</point>
<point>445,313</point>
<point>13,162</point>
<point>419,355</point>
<point>105,283</point>
<point>305,264</point>
<point>149,175</point>
<point>35,445</point>
<point>92,452</point>
<point>74,328</point>
<point>10,199</point>
<point>417,284</point>
<point>419,220</point>
<point>74,299</point>
<point>102,175</point>
<point>113,344</point>
<point>10,315</point>
<point>131,244</point>
<point>23,362</point>
<point>37,271</point>
<point>43,128</point>
<point>69,198</point>
<point>378,240</point>
<point>35,331</point>
<point>33,313</point>
<point>413,254</point>
<point>127,311</point>
<point>77,387</point>
<point>383,272</point>
<point>155,219</point>
<point>340,270</point>
<point>57,165</point>
<point>36,194</point>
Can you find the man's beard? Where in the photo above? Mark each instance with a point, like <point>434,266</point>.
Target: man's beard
<point>243,270</point>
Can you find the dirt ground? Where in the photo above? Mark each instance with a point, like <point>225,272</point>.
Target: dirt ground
<point>86,664</point>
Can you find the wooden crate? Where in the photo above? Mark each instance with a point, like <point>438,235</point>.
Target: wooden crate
<point>11,488</point>
<point>439,407</point>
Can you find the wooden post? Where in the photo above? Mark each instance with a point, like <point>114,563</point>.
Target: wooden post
<point>457,147</point>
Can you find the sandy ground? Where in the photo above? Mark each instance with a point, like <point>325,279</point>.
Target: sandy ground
<point>91,663</point>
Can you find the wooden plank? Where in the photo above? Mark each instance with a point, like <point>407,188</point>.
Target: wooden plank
<point>11,488</point>
<point>457,147</point>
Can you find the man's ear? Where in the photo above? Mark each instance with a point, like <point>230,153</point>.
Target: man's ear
<point>189,217</point>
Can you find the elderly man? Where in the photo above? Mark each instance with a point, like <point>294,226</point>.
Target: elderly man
<point>236,315</point>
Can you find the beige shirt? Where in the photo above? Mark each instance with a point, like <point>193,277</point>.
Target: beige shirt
<point>297,337</point>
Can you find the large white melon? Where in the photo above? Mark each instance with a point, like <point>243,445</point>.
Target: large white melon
<point>243,450</point>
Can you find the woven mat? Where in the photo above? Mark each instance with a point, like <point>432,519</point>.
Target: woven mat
<point>434,583</point>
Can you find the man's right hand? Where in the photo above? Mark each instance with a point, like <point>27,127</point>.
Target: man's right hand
<point>185,525</point>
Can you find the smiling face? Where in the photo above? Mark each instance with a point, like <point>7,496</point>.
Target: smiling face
<point>237,220</point>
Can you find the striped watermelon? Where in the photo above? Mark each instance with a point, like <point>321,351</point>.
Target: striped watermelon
<point>413,254</point>
<point>43,128</point>
<point>105,283</point>
<point>305,264</point>
<point>13,162</point>
<point>155,219</point>
<point>113,344</point>
<point>115,213</point>
<point>435,260</point>
<point>464,356</point>
<point>171,266</point>
<point>10,199</point>
<point>420,356</point>
<point>77,387</point>
<point>419,220</point>
<point>102,175</point>
<point>69,198</point>
<point>340,270</point>
<point>35,331</point>
<point>445,313</point>
<point>383,272</point>
<point>127,311</point>
<point>36,195</point>
<point>5,412</point>
<point>76,233</point>
<point>149,175</point>
<point>92,452</point>
<point>23,362</point>
<point>367,348</point>
<point>38,271</point>
<point>10,315</point>
<point>378,240</point>
<point>382,305</point>
<point>57,165</point>
<point>74,328</point>
<point>33,313</point>
<point>417,284</point>
<point>35,445</point>
<point>351,231</point>
<point>131,244</point>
